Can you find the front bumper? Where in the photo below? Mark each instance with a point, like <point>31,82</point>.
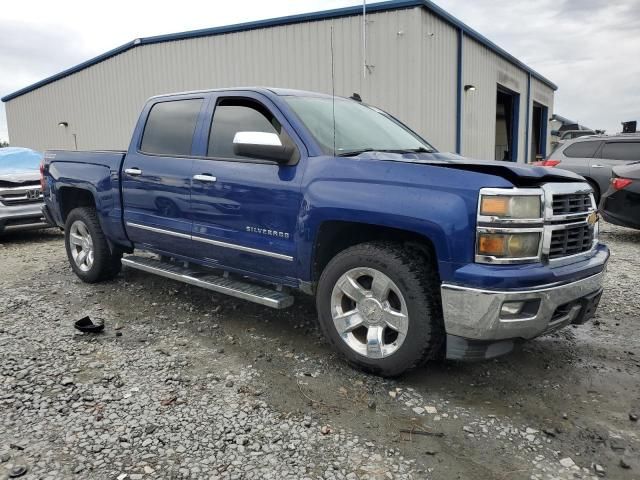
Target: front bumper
<point>22,217</point>
<point>477,327</point>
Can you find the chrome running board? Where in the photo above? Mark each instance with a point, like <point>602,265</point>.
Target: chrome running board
<point>201,277</point>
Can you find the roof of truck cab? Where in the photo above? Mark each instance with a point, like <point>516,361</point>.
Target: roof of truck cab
<point>281,92</point>
<point>289,20</point>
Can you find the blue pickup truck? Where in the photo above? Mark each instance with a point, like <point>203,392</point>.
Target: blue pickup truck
<point>410,253</point>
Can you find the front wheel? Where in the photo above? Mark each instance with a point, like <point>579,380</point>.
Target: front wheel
<point>379,305</point>
<point>87,248</point>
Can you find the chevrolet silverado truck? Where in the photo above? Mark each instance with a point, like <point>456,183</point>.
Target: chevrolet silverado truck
<point>410,253</point>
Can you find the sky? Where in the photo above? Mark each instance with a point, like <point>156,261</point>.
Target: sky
<point>589,48</point>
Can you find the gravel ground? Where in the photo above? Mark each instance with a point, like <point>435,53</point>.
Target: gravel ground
<point>186,384</point>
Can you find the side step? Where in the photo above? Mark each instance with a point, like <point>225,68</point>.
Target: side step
<point>201,277</point>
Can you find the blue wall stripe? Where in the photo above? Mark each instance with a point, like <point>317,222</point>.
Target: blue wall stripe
<point>527,148</point>
<point>459,93</point>
<point>544,121</point>
<point>273,22</point>
<point>515,126</point>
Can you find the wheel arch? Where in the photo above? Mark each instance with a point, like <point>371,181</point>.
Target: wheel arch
<point>593,183</point>
<point>74,197</point>
<point>334,236</point>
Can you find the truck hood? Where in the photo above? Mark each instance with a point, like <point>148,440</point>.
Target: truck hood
<point>519,175</point>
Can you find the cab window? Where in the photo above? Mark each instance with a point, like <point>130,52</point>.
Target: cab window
<point>235,115</point>
<point>170,127</point>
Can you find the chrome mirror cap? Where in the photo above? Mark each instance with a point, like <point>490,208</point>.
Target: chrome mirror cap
<point>257,138</point>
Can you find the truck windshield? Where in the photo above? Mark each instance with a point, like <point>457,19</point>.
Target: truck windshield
<point>358,127</point>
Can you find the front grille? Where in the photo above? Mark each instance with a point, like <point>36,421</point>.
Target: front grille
<point>571,241</point>
<point>567,204</point>
<point>20,195</point>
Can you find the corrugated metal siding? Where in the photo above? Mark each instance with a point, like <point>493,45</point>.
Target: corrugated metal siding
<point>485,70</point>
<point>437,88</point>
<point>412,53</point>
<point>101,103</point>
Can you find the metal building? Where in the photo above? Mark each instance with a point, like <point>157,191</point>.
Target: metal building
<point>459,90</point>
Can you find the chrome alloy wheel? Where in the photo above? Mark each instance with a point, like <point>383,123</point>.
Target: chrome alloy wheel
<point>81,245</point>
<point>369,312</point>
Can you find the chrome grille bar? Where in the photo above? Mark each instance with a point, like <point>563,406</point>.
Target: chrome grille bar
<point>568,232</point>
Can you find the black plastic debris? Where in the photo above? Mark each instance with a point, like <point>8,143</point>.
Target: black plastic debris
<point>85,324</point>
<point>17,471</point>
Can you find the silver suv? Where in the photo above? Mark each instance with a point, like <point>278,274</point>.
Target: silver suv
<point>594,156</point>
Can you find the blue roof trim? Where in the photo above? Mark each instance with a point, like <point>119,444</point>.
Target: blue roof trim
<point>273,22</point>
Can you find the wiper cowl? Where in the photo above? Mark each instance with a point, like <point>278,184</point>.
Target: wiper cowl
<point>355,153</point>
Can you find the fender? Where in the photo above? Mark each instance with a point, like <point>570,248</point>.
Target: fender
<point>98,180</point>
<point>437,203</point>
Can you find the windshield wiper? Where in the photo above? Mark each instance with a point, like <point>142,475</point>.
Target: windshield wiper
<point>353,153</point>
<point>412,150</point>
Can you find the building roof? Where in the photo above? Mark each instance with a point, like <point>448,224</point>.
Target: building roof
<point>292,19</point>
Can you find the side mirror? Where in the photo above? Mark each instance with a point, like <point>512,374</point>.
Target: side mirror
<point>261,145</point>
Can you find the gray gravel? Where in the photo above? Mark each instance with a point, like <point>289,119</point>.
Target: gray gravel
<point>200,386</point>
<point>102,408</point>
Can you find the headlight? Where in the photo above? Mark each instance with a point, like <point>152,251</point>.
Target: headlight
<point>511,206</point>
<point>509,245</point>
<point>510,225</point>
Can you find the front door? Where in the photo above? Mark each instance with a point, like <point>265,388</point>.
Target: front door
<point>245,210</point>
<point>156,177</point>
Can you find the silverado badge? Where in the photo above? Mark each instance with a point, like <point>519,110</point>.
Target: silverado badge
<point>268,232</point>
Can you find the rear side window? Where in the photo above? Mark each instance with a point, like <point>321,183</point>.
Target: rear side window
<point>170,127</point>
<point>582,150</point>
<point>621,151</point>
<point>240,115</point>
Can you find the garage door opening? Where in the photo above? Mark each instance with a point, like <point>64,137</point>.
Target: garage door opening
<point>507,113</point>
<point>539,121</point>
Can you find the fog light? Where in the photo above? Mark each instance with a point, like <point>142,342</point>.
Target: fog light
<point>511,308</point>
<point>516,310</point>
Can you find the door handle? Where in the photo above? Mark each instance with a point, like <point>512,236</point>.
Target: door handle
<point>133,171</point>
<point>205,177</point>
<point>598,166</point>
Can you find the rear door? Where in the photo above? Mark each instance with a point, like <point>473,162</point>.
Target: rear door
<point>613,153</point>
<point>156,175</point>
<point>245,210</point>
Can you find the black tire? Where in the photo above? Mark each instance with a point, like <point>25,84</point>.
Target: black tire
<point>106,264</point>
<point>596,190</point>
<point>414,274</point>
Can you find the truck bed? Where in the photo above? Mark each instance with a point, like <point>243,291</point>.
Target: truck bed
<point>107,158</point>
<point>97,172</point>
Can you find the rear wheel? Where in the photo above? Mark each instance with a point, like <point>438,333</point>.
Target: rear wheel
<point>87,248</point>
<point>596,190</point>
<point>379,305</point>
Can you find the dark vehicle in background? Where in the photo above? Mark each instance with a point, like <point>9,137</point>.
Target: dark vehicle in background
<point>20,190</point>
<point>621,203</point>
<point>594,156</point>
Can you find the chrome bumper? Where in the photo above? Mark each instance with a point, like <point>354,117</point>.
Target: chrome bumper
<point>477,314</point>
<point>22,217</point>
